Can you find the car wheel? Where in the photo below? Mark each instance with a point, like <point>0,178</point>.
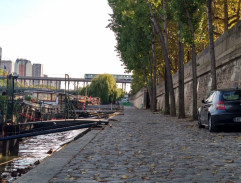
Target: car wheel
<point>212,127</point>
<point>199,122</point>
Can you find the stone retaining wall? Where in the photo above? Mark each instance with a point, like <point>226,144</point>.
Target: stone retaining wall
<point>228,64</point>
<point>139,99</point>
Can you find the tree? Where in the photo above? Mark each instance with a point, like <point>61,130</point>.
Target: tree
<point>225,15</point>
<point>189,13</point>
<point>194,65</point>
<point>132,26</point>
<point>167,106</point>
<point>85,91</point>
<point>104,86</point>
<point>154,102</point>
<point>211,45</point>
<point>225,4</point>
<point>138,82</point>
<point>167,62</point>
<point>181,108</point>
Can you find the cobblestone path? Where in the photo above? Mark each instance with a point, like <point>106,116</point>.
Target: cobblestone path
<point>145,147</point>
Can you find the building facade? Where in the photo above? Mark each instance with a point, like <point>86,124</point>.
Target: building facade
<point>23,67</point>
<point>7,65</point>
<point>37,70</point>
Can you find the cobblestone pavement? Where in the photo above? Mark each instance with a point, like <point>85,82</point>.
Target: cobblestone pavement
<point>146,147</point>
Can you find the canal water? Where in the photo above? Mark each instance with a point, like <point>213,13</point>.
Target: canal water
<point>27,152</point>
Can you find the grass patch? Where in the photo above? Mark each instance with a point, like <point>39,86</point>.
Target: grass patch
<point>126,103</point>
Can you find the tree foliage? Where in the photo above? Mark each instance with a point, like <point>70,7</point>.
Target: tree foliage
<point>225,7</point>
<point>103,86</point>
<point>131,23</point>
<point>138,82</point>
<point>132,27</point>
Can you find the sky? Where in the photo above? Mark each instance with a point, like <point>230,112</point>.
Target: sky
<point>66,36</point>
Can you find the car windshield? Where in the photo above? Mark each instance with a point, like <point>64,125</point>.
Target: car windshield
<point>232,95</point>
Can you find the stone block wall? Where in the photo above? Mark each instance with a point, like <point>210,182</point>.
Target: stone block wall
<point>228,64</point>
<point>139,99</point>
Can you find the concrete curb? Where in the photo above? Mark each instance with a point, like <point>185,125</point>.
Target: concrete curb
<point>53,164</point>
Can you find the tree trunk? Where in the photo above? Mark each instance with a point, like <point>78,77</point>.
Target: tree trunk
<point>225,8</point>
<point>238,11</point>
<point>194,66</point>
<point>165,23</point>
<point>194,81</point>
<point>167,106</point>
<point>211,45</point>
<point>150,96</point>
<point>166,59</point>
<point>150,88</point>
<point>154,101</point>
<point>181,110</point>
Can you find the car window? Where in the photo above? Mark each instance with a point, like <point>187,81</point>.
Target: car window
<point>211,96</point>
<point>232,95</point>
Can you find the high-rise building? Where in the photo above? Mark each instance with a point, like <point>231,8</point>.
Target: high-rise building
<point>7,65</point>
<point>23,67</point>
<point>37,70</point>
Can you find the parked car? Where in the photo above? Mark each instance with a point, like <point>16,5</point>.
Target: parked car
<point>222,107</point>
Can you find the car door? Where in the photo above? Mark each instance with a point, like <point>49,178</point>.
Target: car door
<point>203,108</point>
<point>208,103</point>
